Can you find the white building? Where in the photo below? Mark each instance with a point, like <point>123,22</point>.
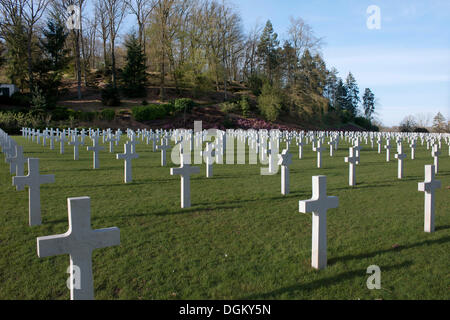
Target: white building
<point>8,89</point>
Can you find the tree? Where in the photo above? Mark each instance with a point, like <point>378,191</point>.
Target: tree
<point>352,95</point>
<point>53,61</point>
<point>59,9</point>
<point>408,124</point>
<point>439,123</point>
<point>32,13</point>
<point>14,33</point>
<point>134,76</point>
<point>116,10</point>
<point>268,50</point>
<point>142,10</point>
<point>269,102</point>
<point>341,101</point>
<point>102,15</point>
<point>368,103</point>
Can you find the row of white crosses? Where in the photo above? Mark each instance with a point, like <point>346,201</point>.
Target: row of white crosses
<point>79,241</point>
<point>318,204</point>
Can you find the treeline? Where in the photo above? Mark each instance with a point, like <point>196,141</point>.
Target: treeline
<point>198,45</point>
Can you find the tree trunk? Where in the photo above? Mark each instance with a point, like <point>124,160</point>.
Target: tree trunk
<point>30,62</point>
<point>83,53</point>
<point>113,63</point>
<point>77,61</point>
<point>162,94</point>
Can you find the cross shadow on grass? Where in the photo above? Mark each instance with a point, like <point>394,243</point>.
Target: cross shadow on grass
<point>390,250</point>
<point>320,283</point>
<point>292,194</point>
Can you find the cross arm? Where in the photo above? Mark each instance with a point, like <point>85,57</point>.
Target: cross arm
<point>53,245</point>
<point>107,237</point>
<point>20,182</point>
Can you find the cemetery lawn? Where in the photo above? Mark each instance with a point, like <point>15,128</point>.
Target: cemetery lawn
<point>241,239</point>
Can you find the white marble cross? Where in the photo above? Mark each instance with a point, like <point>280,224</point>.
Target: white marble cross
<point>285,160</point>
<point>388,150</point>
<point>95,148</point>
<point>75,143</point>
<point>400,156</point>
<point>357,148</point>
<point>79,242</point>
<point>300,144</point>
<point>17,162</point>
<point>209,159</point>
<point>127,156</point>
<point>436,153</point>
<point>379,141</point>
<point>319,150</point>
<point>352,160</point>
<point>61,139</point>
<point>163,147</point>
<point>33,180</point>
<point>185,171</point>
<point>319,204</point>
<point>428,186</point>
<point>413,149</point>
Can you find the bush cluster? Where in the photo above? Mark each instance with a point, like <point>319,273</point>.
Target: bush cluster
<point>149,112</point>
<point>12,122</point>
<point>183,105</point>
<point>110,96</point>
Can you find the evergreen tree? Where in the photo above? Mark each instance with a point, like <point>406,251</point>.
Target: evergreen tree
<point>352,95</point>
<point>49,67</point>
<point>368,103</point>
<point>341,103</point>
<point>134,74</point>
<point>268,50</point>
<point>16,57</point>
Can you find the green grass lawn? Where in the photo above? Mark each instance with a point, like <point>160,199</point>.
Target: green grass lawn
<point>241,239</point>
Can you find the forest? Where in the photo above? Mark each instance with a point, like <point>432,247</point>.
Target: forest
<point>180,49</point>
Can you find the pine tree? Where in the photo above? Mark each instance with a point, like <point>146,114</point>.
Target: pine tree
<point>16,57</point>
<point>352,95</point>
<point>368,103</point>
<point>268,50</point>
<point>341,100</point>
<point>134,76</point>
<point>54,59</point>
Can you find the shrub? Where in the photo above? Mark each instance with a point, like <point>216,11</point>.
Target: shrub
<point>38,101</point>
<point>108,114</point>
<point>150,112</point>
<point>245,106</point>
<point>424,130</point>
<point>366,124</point>
<point>169,107</point>
<point>255,83</point>
<point>228,123</point>
<point>110,96</point>
<point>184,105</point>
<point>60,114</point>
<point>12,122</point>
<point>229,107</point>
<point>87,116</point>
<point>269,102</point>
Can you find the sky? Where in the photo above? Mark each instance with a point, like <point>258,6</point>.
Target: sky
<point>406,63</point>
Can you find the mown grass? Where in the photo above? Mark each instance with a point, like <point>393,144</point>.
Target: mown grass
<point>241,239</point>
